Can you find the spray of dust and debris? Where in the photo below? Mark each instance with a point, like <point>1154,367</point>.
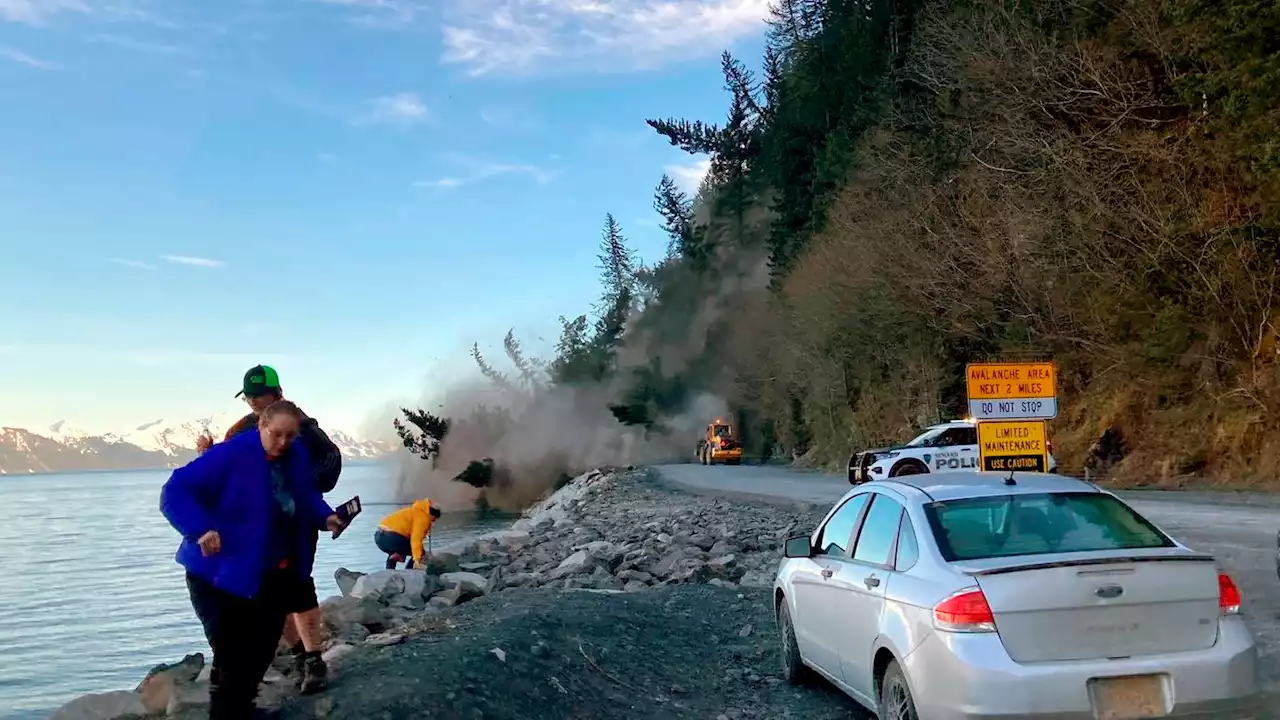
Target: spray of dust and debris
<point>511,439</point>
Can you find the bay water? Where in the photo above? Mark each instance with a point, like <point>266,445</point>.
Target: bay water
<point>90,595</point>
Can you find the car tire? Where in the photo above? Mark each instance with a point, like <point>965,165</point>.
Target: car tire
<point>794,670</point>
<point>908,467</point>
<point>895,701</point>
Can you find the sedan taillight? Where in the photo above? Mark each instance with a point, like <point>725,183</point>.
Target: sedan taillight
<point>966,611</point>
<point>1228,595</point>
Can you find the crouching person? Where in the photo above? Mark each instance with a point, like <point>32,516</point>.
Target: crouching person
<point>248,511</point>
<point>401,533</point>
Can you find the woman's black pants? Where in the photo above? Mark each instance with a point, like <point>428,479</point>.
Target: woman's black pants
<point>243,634</point>
<point>393,544</point>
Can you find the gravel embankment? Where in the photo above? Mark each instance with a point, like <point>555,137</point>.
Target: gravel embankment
<point>685,651</point>
<point>617,597</point>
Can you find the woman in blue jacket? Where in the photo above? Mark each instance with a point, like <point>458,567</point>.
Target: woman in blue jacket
<point>247,510</point>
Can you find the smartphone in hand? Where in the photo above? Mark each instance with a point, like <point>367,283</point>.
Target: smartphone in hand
<point>346,512</point>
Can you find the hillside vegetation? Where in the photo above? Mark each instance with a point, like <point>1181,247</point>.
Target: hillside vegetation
<point>904,187</point>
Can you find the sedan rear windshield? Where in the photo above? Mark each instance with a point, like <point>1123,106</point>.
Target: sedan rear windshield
<point>1035,524</point>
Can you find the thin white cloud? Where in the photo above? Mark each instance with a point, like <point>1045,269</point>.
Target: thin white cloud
<point>41,12</point>
<point>402,109</point>
<point>192,261</point>
<point>485,171</point>
<point>139,46</point>
<point>526,36</point>
<point>36,12</point>
<point>380,13</point>
<point>25,59</point>
<point>689,176</point>
<point>133,263</point>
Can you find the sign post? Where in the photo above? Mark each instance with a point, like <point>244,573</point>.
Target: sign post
<point>1011,402</point>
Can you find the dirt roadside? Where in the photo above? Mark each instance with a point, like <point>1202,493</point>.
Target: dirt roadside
<point>547,644</point>
<point>684,651</point>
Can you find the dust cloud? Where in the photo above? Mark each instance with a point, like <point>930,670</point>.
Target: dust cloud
<point>538,433</point>
<point>536,439</point>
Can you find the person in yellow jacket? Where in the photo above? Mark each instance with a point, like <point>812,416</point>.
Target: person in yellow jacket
<point>400,534</point>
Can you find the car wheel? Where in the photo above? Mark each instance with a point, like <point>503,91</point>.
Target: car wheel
<point>896,702</point>
<point>794,670</point>
<point>908,467</point>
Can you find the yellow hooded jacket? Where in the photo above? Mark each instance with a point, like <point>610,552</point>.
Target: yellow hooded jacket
<point>413,522</point>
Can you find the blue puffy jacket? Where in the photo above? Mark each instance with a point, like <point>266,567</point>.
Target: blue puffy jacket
<point>228,489</point>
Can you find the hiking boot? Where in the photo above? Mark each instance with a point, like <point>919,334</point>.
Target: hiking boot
<point>289,663</point>
<point>315,674</point>
<point>298,666</point>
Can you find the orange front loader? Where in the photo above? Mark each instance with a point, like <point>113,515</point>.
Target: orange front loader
<point>719,443</point>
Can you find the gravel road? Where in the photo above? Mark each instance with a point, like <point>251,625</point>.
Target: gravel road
<point>1239,529</point>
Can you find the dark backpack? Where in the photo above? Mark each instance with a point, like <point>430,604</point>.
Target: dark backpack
<point>325,455</point>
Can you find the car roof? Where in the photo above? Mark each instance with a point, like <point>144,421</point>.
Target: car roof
<point>959,485</point>
<point>951,424</point>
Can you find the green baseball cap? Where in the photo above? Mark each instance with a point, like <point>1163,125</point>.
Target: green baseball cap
<point>260,380</point>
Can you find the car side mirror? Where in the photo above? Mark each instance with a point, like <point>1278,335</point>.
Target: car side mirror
<point>797,546</point>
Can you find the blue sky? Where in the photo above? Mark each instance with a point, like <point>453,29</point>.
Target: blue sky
<point>351,190</point>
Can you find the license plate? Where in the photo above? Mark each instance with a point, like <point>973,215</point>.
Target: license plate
<point>1129,698</point>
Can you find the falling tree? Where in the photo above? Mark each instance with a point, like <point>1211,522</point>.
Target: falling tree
<point>423,434</point>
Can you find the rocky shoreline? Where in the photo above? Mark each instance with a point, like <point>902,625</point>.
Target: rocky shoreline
<point>611,543</point>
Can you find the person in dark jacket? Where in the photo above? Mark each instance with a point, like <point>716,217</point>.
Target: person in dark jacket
<point>303,633</point>
<point>248,511</point>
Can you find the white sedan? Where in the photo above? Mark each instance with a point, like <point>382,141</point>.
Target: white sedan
<point>963,595</point>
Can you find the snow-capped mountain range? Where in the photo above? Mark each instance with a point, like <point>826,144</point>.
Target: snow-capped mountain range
<point>158,444</point>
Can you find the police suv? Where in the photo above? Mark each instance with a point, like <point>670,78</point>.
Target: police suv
<point>948,446</point>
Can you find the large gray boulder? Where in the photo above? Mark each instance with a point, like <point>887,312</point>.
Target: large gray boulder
<point>165,682</point>
<point>579,563</point>
<point>465,584</point>
<point>352,618</point>
<point>102,706</point>
<point>346,579</point>
<point>442,561</point>
<point>383,584</point>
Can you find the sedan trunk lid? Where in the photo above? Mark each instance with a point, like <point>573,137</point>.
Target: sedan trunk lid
<point>1097,605</point>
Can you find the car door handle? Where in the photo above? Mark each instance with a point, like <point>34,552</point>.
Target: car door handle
<point>871,581</point>
<point>826,573</point>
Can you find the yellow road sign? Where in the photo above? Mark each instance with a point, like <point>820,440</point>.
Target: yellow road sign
<point>1019,445</point>
<point>1012,391</point>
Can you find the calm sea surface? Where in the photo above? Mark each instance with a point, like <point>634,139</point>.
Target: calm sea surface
<point>90,597</point>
